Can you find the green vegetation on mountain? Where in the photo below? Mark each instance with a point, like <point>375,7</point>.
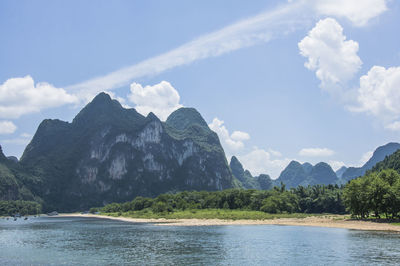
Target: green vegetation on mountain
<point>15,182</point>
<point>390,162</point>
<point>184,118</point>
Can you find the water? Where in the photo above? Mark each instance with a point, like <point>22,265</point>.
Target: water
<point>89,241</point>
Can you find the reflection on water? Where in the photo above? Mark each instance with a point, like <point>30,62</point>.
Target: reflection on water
<point>92,241</point>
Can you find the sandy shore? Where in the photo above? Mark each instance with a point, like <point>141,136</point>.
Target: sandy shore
<point>333,221</point>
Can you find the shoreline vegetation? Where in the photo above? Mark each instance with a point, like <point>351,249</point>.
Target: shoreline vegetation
<point>314,220</point>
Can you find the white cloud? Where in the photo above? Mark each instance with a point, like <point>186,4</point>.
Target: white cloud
<point>379,95</point>
<point>231,143</point>
<point>336,165</point>
<point>259,161</point>
<point>365,157</point>
<point>316,152</point>
<point>359,12</point>
<point>19,96</point>
<point>161,99</point>
<point>7,127</point>
<point>240,136</point>
<point>333,58</point>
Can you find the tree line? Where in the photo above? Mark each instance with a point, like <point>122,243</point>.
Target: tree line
<point>12,207</point>
<point>311,199</point>
<point>376,193</point>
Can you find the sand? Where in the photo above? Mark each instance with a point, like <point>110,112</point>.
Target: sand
<point>333,221</point>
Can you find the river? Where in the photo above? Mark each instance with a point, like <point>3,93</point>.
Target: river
<point>92,241</point>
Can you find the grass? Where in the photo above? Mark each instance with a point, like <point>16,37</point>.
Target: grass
<point>210,214</point>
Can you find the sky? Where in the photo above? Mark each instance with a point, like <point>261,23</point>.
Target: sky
<point>306,80</point>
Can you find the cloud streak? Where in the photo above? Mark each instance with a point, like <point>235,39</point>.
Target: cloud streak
<point>245,33</point>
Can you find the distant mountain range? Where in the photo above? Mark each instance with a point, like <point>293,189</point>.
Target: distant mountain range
<point>379,155</point>
<point>296,174</point>
<point>112,154</point>
<point>305,174</point>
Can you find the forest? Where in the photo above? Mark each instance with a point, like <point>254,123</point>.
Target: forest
<point>375,195</point>
<point>311,199</point>
<point>12,207</point>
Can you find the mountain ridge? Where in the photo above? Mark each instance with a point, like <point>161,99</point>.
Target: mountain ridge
<point>379,155</point>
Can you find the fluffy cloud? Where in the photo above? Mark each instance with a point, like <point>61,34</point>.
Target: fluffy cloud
<point>379,95</point>
<point>19,96</point>
<point>161,99</point>
<point>231,143</point>
<point>240,136</point>
<point>316,152</point>
<point>259,161</point>
<point>358,12</point>
<point>333,58</point>
<point>7,127</point>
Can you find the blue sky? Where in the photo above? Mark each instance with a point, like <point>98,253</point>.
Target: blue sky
<point>306,80</point>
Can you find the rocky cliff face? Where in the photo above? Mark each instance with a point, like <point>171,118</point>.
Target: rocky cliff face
<point>109,153</point>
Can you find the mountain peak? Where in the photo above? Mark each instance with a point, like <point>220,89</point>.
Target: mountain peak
<point>236,167</point>
<point>185,117</point>
<point>105,110</point>
<point>102,97</point>
<point>152,116</point>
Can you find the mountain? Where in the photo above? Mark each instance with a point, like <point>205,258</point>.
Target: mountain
<point>390,162</point>
<point>292,175</point>
<point>379,154</point>
<point>14,180</point>
<point>112,154</point>
<point>245,178</point>
<point>296,174</point>
<point>340,171</point>
<point>323,174</point>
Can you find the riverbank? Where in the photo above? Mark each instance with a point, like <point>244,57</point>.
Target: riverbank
<point>332,221</point>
